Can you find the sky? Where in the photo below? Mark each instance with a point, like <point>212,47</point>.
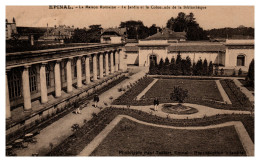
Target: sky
<point>207,16</point>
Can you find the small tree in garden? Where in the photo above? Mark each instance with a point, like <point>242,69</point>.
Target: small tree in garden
<point>221,71</point>
<point>152,68</point>
<point>179,94</point>
<point>172,66</point>
<point>178,65</point>
<point>160,66</point>
<point>251,74</point>
<point>199,67</point>
<point>210,72</point>
<point>205,67</point>
<point>188,65</point>
<point>166,66</point>
<point>216,70</point>
<point>194,70</point>
<point>183,67</point>
<point>178,60</point>
<point>239,72</point>
<point>234,72</point>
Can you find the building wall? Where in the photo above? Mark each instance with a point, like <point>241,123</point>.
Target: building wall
<point>215,57</point>
<point>113,40</point>
<point>231,58</point>
<point>144,55</point>
<point>132,58</point>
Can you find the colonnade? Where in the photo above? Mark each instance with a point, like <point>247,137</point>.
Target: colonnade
<point>97,58</point>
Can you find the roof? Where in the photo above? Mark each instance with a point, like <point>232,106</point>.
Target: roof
<point>167,34</point>
<point>131,48</point>
<point>187,47</point>
<point>114,31</point>
<point>31,30</point>
<point>197,48</point>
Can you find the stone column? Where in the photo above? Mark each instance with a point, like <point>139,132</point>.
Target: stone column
<point>7,104</point>
<point>26,89</point>
<point>101,71</point>
<point>79,73</point>
<point>68,75</point>
<point>44,92</point>
<point>57,78</point>
<point>94,67</point>
<point>120,59</point>
<point>111,62</point>
<point>87,70</point>
<point>116,61</point>
<point>106,62</point>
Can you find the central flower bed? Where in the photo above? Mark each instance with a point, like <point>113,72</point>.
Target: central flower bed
<point>178,109</point>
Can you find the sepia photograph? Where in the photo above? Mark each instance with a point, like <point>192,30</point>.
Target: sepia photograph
<point>129,80</point>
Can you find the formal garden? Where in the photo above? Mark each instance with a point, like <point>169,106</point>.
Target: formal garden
<point>127,135</point>
<point>131,138</point>
<point>202,92</point>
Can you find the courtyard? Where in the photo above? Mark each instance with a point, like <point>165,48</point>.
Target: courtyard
<point>123,125</point>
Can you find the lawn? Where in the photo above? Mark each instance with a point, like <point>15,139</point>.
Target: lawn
<point>75,143</point>
<point>202,92</point>
<point>245,84</point>
<point>197,89</point>
<point>133,139</point>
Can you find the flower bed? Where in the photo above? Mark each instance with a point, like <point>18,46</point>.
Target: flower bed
<point>237,97</point>
<point>178,109</point>
<point>133,90</point>
<point>74,144</point>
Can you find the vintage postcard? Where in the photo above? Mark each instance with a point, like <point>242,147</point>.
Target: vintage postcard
<point>151,80</point>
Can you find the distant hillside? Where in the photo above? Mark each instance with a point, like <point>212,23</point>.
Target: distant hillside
<point>240,32</point>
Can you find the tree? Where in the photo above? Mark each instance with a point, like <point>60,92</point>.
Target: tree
<point>251,74</point>
<point>153,29</point>
<point>94,33</point>
<point>199,67</point>
<point>210,72</point>
<point>173,66</point>
<point>152,68</point>
<point>160,66</point>
<point>80,36</point>
<point>166,66</point>
<point>194,70</point>
<point>179,64</point>
<point>188,65</point>
<point>205,67</point>
<point>179,94</point>
<point>135,29</point>
<point>188,24</point>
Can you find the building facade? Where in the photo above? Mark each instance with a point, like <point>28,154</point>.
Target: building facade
<point>113,35</point>
<point>37,80</point>
<point>233,54</point>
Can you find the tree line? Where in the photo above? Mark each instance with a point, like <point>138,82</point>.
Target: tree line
<point>181,66</point>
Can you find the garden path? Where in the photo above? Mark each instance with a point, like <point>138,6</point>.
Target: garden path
<point>223,93</point>
<point>243,89</point>
<point>146,89</point>
<point>58,131</point>
<point>240,129</point>
<point>202,111</point>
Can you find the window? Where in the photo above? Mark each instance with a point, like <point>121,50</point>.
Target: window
<point>153,59</point>
<point>74,65</point>
<point>240,60</point>
<point>48,79</point>
<point>33,78</point>
<point>83,65</point>
<point>14,84</point>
